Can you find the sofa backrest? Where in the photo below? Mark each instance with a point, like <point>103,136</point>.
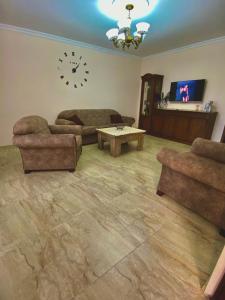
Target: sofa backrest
<point>90,117</point>
<point>31,125</point>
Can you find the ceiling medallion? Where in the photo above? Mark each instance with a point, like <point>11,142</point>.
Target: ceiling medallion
<point>115,9</point>
<point>122,37</point>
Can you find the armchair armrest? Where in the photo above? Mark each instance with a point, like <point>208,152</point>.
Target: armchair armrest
<point>66,129</point>
<point>45,141</point>
<point>63,122</point>
<point>199,168</point>
<point>128,120</point>
<point>209,149</point>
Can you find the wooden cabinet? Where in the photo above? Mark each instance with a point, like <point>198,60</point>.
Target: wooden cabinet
<point>151,89</point>
<point>178,125</point>
<point>182,126</point>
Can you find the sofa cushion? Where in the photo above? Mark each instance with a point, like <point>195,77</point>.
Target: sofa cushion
<point>75,119</point>
<point>64,129</point>
<point>119,124</point>
<point>116,118</point>
<point>199,168</point>
<point>209,149</point>
<point>64,122</point>
<point>106,125</point>
<point>90,117</point>
<point>31,124</point>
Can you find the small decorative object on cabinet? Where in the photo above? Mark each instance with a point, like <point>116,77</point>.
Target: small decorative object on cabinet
<point>151,90</point>
<point>209,106</point>
<point>163,102</point>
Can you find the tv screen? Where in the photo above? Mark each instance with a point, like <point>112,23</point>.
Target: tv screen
<point>187,91</point>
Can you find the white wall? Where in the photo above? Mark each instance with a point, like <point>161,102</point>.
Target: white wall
<point>30,83</point>
<point>205,62</point>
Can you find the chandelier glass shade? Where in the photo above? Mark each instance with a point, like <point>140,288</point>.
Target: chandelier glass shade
<point>122,36</point>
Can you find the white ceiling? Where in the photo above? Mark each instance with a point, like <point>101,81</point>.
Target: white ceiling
<point>174,23</point>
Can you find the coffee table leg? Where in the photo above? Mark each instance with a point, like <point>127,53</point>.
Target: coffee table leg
<point>100,141</point>
<point>115,147</point>
<point>140,142</point>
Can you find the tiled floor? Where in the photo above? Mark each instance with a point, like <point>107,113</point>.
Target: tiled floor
<point>100,233</point>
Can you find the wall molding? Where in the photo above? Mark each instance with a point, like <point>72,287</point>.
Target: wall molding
<point>65,40</point>
<point>190,46</point>
<point>96,48</point>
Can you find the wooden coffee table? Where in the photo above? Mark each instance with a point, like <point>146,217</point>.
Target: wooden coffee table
<point>116,137</point>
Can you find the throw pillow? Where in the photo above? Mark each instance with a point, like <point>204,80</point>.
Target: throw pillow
<point>116,119</point>
<point>76,120</point>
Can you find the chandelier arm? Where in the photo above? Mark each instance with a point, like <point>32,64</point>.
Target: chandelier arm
<point>124,38</point>
<point>115,43</point>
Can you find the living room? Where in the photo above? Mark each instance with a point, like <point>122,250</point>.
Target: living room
<point>141,214</point>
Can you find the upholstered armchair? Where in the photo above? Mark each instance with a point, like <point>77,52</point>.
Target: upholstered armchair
<point>44,147</point>
<point>196,179</point>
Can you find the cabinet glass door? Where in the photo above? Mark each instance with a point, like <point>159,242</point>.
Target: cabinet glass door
<point>145,105</point>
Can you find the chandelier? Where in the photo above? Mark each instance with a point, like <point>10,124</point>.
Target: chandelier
<point>122,37</point>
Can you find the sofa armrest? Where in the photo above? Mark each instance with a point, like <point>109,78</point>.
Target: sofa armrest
<point>63,122</point>
<point>45,141</point>
<point>209,149</point>
<point>66,129</point>
<point>128,120</point>
<point>199,168</point>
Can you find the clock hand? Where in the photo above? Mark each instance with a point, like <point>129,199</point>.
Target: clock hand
<point>74,70</point>
<point>77,66</point>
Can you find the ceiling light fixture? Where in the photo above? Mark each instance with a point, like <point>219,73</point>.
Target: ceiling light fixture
<point>115,9</point>
<point>122,36</point>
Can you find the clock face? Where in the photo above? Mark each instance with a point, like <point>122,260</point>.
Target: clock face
<point>73,69</point>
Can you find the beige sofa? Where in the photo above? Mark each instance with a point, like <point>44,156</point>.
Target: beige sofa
<point>196,179</point>
<point>91,119</point>
<point>42,148</point>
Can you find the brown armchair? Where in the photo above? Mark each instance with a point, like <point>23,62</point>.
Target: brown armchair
<point>42,148</point>
<point>196,179</point>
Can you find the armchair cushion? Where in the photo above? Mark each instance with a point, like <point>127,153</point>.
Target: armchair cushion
<point>209,149</point>
<point>44,141</point>
<point>30,125</point>
<point>199,168</point>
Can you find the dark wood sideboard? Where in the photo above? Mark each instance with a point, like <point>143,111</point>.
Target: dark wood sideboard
<point>180,125</point>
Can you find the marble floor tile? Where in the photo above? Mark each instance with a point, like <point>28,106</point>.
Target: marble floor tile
<point>147,273</point>
<point>100,233</point>
<point>60,264</point>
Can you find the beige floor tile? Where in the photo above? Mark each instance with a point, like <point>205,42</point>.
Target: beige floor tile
<point>100,233</point>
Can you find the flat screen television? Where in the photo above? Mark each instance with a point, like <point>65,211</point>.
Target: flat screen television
<point>187,91</point>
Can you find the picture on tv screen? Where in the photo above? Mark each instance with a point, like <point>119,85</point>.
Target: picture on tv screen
<point>187,91</point>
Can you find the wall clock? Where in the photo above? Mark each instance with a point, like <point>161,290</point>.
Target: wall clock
<point>73,69</point>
